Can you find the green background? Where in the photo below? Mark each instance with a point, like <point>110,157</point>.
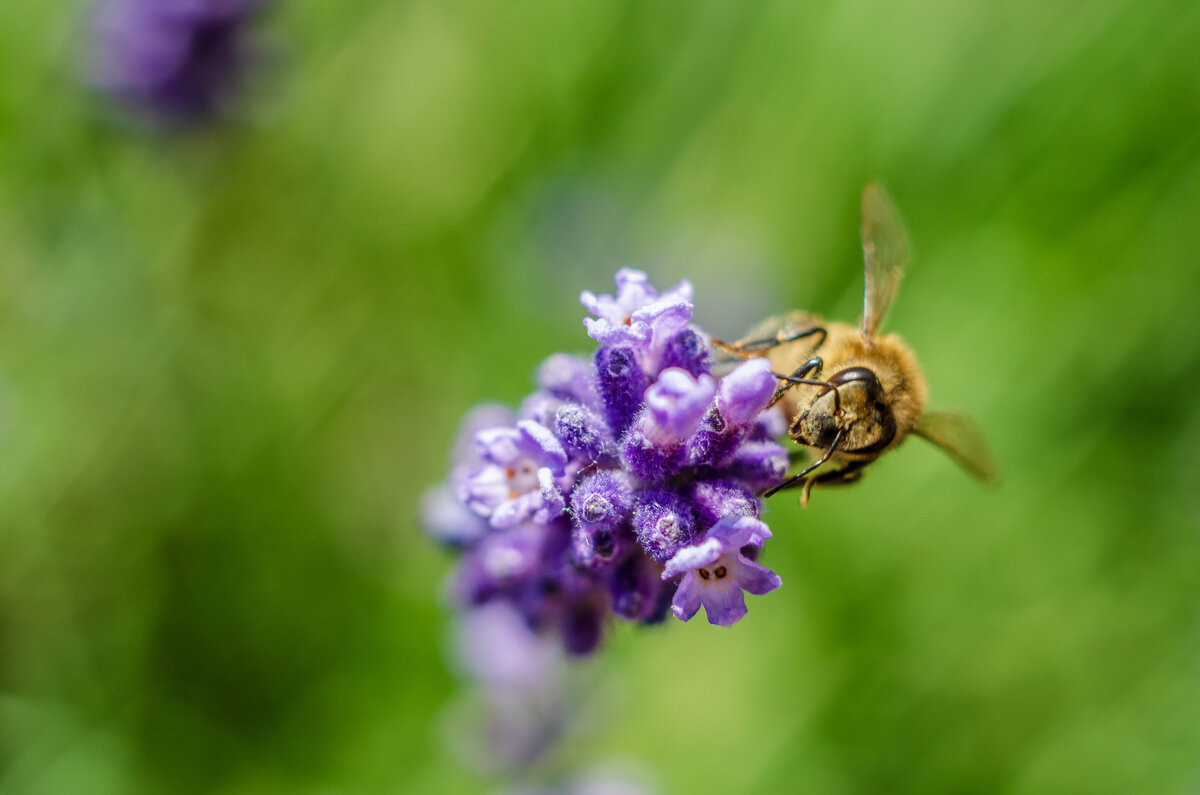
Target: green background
<point>231,361</point>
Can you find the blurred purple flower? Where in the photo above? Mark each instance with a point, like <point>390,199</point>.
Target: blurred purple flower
<point>595,782</point>
<point>173,61</point>
<point>516,711</point>
<point>495,645</point>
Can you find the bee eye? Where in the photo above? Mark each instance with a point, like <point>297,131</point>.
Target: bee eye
<point>860,374</point>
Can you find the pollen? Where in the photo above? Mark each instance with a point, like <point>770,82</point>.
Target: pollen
<point>720,572</point>
<point>704,573</point>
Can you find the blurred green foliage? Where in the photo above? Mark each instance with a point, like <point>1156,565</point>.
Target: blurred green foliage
<point>231,361</point>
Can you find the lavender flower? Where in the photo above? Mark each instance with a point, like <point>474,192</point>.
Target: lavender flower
<point>601,504</point>
<point>653,448</point>
<point>688,350</point>
<point>713,500</point>
<point>664,522</point>
<point>715,572</point>
<point>519,479</point>
<point>173,61</point>
<point>638,317</point>
<point>625,486</point>
<point>583,433</point>
<point>676,402</point>
<point>742,396</point>
<point>620,383</point>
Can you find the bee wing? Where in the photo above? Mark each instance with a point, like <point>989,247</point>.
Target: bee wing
<point>961,438</point>
<point>884,252</point>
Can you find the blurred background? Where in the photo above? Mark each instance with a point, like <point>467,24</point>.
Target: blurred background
<point>232,357</point>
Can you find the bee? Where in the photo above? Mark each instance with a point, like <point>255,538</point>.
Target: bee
<point>851,393</point>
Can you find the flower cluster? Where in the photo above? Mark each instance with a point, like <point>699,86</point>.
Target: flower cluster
<point>624,485</point>
<point>173,61</point>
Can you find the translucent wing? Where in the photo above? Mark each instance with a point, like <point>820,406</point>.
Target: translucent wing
<point>961,438</point>
<point>884,252</point>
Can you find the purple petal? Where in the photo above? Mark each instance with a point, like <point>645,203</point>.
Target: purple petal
<point>665,317</point>
<point>687,597</point>
<point>676,402</point>
<point>638,317</point>
<point>501,446</point>
<point>553,503</point>
<point>484,489</point>
<point>549,450</point>
<point>634,286</point>
<point>724,602</point>
<point>695,556</point>
<point>755,578</point>
<point>746,391</point>
<point>633,292</point>
<point>736,532</point>
<point>481,417</point>
<point>634,334</point>
<point>683,291</point>
<point>515,511</point>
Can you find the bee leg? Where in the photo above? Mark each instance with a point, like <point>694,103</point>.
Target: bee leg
<point>744,349</point>
<point>813,366</point>
<point>794,479</point>
<point>851,473</point>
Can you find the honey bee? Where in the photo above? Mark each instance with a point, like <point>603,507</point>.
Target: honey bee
<point>851,393</point>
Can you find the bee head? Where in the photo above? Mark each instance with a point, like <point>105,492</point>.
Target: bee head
<point>855,403</point>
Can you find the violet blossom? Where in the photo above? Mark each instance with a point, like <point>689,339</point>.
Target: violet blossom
<point>716,572</point>
<point>173,61</point>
